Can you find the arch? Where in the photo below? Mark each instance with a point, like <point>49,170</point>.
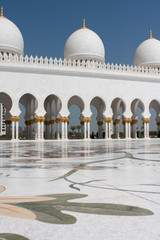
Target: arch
<point>118,106</point>
<point>28,113</point>
<point>156,105</point>
<point>5,107</point>
<point>154,108</point>
<point>6,100</point>
<point>76,107</point>
<point>137,109</point>
<point>52,105</point>
<point>76,100</point>
<point>134,105</point>
<point>97,106</point>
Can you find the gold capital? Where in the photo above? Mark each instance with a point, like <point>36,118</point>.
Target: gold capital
<point>146,120</point>
<point>108,120</point>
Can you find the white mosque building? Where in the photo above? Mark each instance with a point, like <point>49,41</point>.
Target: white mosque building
<point>47,87</point>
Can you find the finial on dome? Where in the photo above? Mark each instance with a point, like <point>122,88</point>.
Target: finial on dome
<point>1,11</point>
<point>84,23</point>
<point>150,34</point>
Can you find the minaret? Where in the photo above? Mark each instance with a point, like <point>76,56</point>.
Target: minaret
<point>1,12</point>
<point>150,36</point>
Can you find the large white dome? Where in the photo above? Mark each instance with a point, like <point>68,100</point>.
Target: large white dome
<point>84,44</point>
<point>11,40</point>
<point>148,53</point>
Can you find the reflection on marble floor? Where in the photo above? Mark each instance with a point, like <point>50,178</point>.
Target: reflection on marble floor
<point>92,186</point>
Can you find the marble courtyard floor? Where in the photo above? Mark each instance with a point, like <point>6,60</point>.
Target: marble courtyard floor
<point>80,190</point>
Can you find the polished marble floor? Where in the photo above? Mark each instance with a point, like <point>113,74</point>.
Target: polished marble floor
<point>80,190</point>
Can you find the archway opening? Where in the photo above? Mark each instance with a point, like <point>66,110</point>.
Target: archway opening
<point>118,106</point>
<point>5,122</point>
<point>28,105</point>
<point>97,107</point>
<point>52,105</point>
<point>154,124</point>
<point>137,108</point>
<point>76,107</point>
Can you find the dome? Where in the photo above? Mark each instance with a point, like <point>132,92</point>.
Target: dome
<point>11,40</point>
<point>84,44</point>
<point>148,53</point>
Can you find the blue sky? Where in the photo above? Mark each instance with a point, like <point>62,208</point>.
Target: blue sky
<point>122,25</point>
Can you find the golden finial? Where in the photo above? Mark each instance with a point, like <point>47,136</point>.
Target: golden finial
<point>150,34</point>
<point>84,23</point>
<point>1,11</point>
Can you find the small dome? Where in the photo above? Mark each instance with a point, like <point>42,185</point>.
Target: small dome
<point>148,53</point>
<point>11,39</point>
<point>84,44</point>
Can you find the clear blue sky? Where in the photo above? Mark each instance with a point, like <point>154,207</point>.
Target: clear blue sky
<point>122,25</point>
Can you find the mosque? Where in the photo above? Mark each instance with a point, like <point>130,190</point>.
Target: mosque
<point>48,87</point>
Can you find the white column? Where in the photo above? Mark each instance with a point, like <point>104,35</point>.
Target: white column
<point>57,130</point>
<point>129,130</point>
<point>145,135</point>
<point>9,131</point>
<point>126,130</point>
<point>85,130</point>
<point>147,129</point>
<point>88,130</point>
<point>66,130</point>
<point>17,130</point>
<point>107,130</point>
<point>41,130</point>
<point>62,128</point>
<point>35,130</point>
<point>117,130</point>
<point>38,130</point>
<point>13,130</point>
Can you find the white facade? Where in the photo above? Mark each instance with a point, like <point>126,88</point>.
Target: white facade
<point>48,87</point>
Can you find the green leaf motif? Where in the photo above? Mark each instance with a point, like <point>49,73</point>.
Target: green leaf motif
<point>51,211</point>
<point>10,236</point>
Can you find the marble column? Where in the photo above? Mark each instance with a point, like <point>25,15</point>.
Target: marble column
<point>42,119</point>
<point>107,126</point>
<point>146,127</point>
<point>86,121</point>
<point>88,125</point>
<point>66,128</point>
<point>127,123</point>
<point>57,128</point>
<point>116,128</point>
<point>15,127</point>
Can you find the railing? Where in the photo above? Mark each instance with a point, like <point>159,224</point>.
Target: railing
<point>9,58</point>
